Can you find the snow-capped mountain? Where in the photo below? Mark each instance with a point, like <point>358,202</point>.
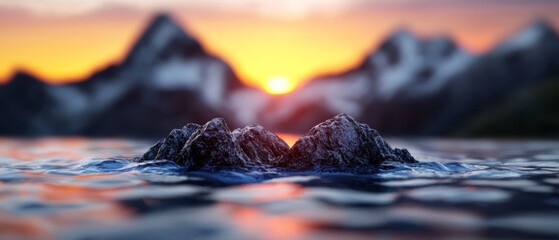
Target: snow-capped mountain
<point>423,86</point>
<point>167,79</point>
<point>402,66</point>
<point>407,86</point>
<point>404,62</point>
<point>527,60</point>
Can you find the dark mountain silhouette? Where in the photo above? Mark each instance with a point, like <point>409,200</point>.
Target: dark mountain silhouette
<point>403,66</point>
<point>407,86</point>
<point>412,86</point>
<point>167,79</point>
<point>526,59</point>
<point>24,103</point>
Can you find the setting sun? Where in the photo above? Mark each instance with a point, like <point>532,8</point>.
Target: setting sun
<point>278,85</point>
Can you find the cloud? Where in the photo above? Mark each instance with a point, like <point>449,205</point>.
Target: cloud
<point>282,9</point>
<point>53,6</point>
<point>286,9</point>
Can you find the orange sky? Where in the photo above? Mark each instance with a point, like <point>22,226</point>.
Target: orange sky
<point>61,47</point>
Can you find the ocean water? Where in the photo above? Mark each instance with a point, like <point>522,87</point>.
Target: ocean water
<point>77,188</point>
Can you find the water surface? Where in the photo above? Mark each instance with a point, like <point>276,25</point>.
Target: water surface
<point>76,188</point>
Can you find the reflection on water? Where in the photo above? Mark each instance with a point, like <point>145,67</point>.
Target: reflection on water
<point>76,188</point>
<point>66,148</point>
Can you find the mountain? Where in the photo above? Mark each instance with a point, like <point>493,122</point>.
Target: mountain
<point>167,79</point>
<point>402,65</point>
<point>429,86</point>
<point>24,103</point>
<point>524,61</point>
<point>407,86</point>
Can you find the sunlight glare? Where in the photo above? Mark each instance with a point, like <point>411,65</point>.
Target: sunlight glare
<point>278,85</point>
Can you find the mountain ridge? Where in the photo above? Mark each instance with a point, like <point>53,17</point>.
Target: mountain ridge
<point>408,85</point>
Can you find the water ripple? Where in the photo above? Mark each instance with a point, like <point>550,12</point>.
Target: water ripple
<point>458,189</point>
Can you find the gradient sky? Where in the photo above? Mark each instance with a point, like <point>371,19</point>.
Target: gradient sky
<point>65,40</point>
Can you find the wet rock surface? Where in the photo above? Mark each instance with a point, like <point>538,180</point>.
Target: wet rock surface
<point>339,144</point>
<point>152,151</point>
<point>212,147</point>
<point>169,147</point>
<point>260,145</point>
<point>174,143</point>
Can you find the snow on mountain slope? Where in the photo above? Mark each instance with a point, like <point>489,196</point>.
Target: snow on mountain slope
<point>335,94</point>
<point>203,74</point>
<point>342,94</point>
<point>402,67</point>
<point>527,37</point>
<point>164,60</point>
<point>162,38</point>
<point>396,61</point>
<point>168,79</point>
<point>418,67</point>
<point>248,104</point>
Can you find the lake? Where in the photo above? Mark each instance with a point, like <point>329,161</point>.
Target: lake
<point>79,188</point>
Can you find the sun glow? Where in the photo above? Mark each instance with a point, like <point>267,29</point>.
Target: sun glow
<point>278,85</point>
<point>290,139</point>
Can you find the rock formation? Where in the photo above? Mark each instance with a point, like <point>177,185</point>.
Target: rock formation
<point>260,145</point>
<point>212,147</point>
<point>339,144</point>
<point>169,147</point>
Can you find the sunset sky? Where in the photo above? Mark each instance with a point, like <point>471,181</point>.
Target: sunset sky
<point>65,40</point>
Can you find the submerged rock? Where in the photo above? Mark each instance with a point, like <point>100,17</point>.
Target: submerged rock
<point>341,144</point>
<point>260,145</point>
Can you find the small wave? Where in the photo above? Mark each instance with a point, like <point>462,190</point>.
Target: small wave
<point>163,168</point>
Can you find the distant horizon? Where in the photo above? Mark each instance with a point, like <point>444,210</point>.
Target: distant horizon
<point>259,47</point>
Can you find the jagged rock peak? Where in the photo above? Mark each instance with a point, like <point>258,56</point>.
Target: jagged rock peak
<point>152,151</point>
<point>168,148</point>
<point>260,145</point>
<point>341,144</point>
<point>212,147</point>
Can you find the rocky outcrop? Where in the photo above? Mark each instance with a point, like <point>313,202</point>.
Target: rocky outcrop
<point>260,145</point>
<point>152,151</point>
<point>168,148</point>
<point>212,147</point>
<point>341,144</point>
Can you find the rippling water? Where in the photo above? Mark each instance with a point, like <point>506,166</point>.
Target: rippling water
<point>75,188</point>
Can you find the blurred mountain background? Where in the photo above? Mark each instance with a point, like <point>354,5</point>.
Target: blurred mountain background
<point>409,84</point>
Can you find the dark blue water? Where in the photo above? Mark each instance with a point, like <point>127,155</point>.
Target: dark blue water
<point>74,188</point>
